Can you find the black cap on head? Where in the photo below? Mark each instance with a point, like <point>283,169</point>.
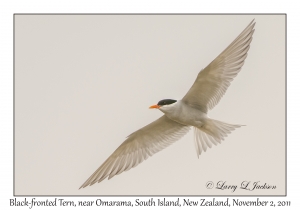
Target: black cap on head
<point>166,102</point>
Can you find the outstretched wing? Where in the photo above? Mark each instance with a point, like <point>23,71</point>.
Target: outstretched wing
<point>213,81</point>
<point>138,147</point>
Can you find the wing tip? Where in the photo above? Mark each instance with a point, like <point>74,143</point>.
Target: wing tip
<point>84,185</point>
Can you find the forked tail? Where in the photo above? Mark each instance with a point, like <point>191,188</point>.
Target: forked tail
<point>213,131</point>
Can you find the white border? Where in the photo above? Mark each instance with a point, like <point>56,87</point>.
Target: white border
<point>8,8</point>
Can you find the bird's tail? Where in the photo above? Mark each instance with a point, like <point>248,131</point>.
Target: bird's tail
<point>212,131</point>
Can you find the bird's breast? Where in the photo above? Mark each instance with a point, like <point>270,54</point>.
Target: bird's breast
<point>187,115</point>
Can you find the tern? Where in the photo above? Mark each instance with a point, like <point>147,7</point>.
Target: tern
<point>180,115</point>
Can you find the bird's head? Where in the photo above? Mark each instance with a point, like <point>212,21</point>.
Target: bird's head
<point>164,105</point>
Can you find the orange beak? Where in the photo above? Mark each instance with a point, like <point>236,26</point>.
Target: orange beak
<point>154,106</point>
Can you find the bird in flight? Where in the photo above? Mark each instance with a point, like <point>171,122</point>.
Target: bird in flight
<point>180,115</point>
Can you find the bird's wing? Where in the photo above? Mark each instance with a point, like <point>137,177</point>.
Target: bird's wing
<point>213,81</point>
<point>138,147</point>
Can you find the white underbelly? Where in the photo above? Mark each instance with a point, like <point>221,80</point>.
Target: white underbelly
<point>188,116</point>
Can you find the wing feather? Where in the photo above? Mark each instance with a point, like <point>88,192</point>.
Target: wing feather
<point>138,147</point>
<point>213,81</point>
